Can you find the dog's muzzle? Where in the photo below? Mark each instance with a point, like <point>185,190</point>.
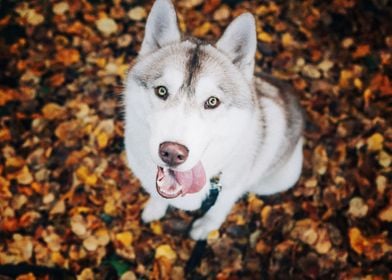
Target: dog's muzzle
<point>171,184</point>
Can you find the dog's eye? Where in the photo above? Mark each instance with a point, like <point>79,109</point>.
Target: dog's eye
<point>211,103</point>
<point>161,92</point>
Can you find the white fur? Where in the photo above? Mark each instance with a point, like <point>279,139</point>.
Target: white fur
<point>239,40</point>
<point>161,27</point>
<point>229,139</point>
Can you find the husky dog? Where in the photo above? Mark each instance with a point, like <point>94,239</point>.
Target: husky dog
<point>195,110</point>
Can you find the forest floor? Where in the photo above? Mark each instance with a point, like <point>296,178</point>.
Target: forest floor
<point>69,206</point>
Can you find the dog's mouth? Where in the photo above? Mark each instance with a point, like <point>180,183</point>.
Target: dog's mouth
<point>171,183</point>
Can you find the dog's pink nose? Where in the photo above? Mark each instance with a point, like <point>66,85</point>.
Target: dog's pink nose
<point>173,153</point>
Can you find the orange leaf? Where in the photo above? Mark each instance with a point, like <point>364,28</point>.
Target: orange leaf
<point>68,56</point>
<point>361,51</point>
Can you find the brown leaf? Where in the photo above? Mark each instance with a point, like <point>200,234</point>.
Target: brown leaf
<point>386,214</point>
<point>210,5</point>
<point>373,247</point>
<point>53,111</point>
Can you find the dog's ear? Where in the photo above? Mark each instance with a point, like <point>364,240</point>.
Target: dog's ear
<point>161,27</point>
<point>239,43</point>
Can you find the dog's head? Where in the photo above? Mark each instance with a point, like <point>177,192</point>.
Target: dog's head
<point>195,98</point>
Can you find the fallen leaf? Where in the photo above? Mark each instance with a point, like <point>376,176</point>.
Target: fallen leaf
<point>156,227</point>
<point>167,252</point>
<point>68,56</point>
<point>28,276</point>
<point>107,26</point>
<point>385,214</point>
<point>125,238</point>
<point>91,243</point>
<point>222,13</point>
<point>311,71</point>
<point>129,275</point>
<point>361,51</point>
<point>358,208</point>
<point>60,8</point>
<point>210,6</point>
<point>137,13</point>
<point>320,160</point>
<point>86,274</point>
<point>202,30</point>
<point>78,225</point>
<point>373,247</point>
<point>86,176</point>
<point>384,159</point>
<point>265,37</point>
<point>375,142</point>
<point>24,176</point>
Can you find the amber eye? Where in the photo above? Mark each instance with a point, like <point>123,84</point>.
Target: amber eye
<point>161,92</point>
<point>211,103</point>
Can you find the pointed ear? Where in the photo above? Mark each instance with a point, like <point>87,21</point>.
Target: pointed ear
<point>161,27</point>
<point>239,42</point>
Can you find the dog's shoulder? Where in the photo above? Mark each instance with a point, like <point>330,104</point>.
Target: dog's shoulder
<point>284,95</point>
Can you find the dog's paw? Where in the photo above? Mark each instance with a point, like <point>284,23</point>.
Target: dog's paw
<point>154,210</point>
<point>202,227</point>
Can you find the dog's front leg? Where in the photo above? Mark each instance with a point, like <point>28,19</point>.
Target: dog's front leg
<point>214,217</point>
<point>154,209</point>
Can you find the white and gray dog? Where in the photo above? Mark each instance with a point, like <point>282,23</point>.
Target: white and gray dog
<point>194,111</point>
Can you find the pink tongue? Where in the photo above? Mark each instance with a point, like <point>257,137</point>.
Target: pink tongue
<point>190,181</point>
<point>193,180</point>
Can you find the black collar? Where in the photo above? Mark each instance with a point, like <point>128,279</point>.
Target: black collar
<point>215,188</point>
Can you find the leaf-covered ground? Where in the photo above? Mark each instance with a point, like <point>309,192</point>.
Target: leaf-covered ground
<point>69,207</point>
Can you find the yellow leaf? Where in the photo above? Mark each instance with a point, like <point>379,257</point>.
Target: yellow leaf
<point>102,236</point>
<point>367,96</point>
<point>102,140</point>
<point>265,213</point>
<point>110,208</point>
<point>84,175</point>
<point>357,241</point>
<point>202,30</point>
<point>358,83</point>
<point>265,37</point>
<point>87,274</point>
<point>375,142</point>
<point>125,238</point>
<point>345,78</point>
<point>287,40</point>
<point>167,252</point>
<point>156,227</point>
<point>101,62</point>
<point>213,235</point>
<point>57,258</point>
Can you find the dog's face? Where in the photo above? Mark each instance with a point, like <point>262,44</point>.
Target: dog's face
<point>194,97</point>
